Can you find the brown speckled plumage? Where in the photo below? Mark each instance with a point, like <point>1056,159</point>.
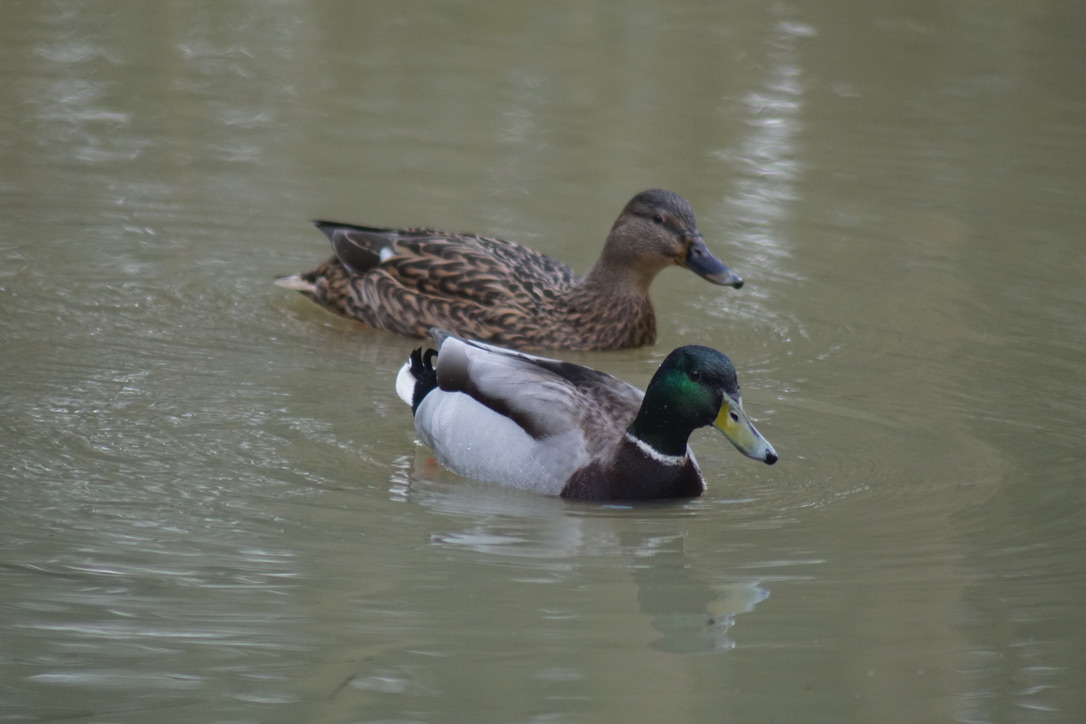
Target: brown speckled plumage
<point>409,280</point>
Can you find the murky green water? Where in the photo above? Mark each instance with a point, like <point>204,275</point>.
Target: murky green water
<point>213,508</point>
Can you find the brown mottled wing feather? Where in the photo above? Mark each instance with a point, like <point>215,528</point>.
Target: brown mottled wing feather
<point>479,286</point>
<point>331,285</point>
<point>408,280</point>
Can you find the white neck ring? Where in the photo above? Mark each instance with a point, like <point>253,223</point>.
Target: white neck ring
<point>655,454</point>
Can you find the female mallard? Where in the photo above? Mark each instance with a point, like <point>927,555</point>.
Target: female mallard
<point>562,429</point>
<point>409,280</point>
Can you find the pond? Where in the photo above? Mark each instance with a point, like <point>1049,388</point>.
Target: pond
<point>214,504</point>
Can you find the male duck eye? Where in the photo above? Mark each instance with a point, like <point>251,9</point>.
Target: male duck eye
<point>694,375</point>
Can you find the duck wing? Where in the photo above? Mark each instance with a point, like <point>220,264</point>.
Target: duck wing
<point>358,248</point>
<point>468,267</point>
<point>516,419</point>
<point>544,397</point>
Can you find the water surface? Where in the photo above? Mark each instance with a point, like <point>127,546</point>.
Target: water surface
<point>214,507</point>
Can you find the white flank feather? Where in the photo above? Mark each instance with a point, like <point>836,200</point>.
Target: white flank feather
<point>405,384</point>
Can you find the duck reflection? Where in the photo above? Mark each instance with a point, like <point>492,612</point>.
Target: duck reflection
<point>689,609</point>
<point>693,613</point>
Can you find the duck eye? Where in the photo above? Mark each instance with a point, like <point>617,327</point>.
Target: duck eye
<point>658,218</point>
<point>694,375</point>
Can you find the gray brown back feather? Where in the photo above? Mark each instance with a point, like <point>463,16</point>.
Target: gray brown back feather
<point>563,396</point>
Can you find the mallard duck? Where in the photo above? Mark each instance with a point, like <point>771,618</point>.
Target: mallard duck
<point>409,280</point>
<point>559,428</point>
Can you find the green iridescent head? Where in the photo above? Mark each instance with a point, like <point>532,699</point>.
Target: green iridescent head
<point>695,387</point>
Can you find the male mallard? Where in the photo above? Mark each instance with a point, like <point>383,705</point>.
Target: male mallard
<point>409,280</point>
<point>562,429</point>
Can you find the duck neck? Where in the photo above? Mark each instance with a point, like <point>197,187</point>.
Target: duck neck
<point>617,276</point>
<point>655,433</point>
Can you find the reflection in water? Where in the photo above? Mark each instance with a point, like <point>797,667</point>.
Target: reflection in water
<point>551,539</point>
<point>766,171</point>
<point>693,614</point>
<point>767,158</point>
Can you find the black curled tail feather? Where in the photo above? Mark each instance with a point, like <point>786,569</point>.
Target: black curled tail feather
<point>421,365</point>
